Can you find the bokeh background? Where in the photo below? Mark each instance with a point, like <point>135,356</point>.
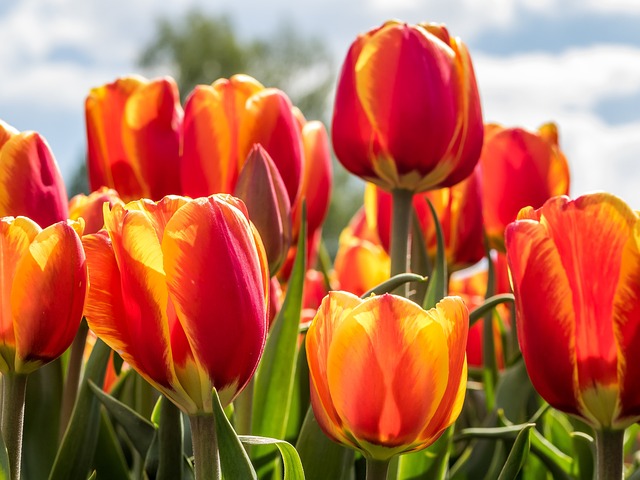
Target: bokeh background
<point>575,62</point>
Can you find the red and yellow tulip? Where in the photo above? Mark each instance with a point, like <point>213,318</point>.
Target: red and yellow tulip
<point>90,208</point>
<point>575,266</point>
<point>518,168</point>
<point>43,285</point>
<point>387,377</point>
<point>190,278</point>
<point>407,112</point>
<point>133,136</point>
<point>30,182</point>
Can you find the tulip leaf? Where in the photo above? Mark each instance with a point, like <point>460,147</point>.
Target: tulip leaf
<point>488,305</point>
<point>509,432</point>
<point>93,476</point>
<point>290,458</point>
<point>431,462</point>
<point>170,441</point>
<point>79,442</point>
<point>518,455</point>
<point>583,455</point>
<point>274,378</point>
<point>393,283</point>
<point>139,430</point>
<point>109,461</point>
<point>559,464</point>
<point>321,457</point>
<point>419,261</point>
<point>5,470</point>
<point>234,460</point>
<point>300,399</point>
<point>437,288</point>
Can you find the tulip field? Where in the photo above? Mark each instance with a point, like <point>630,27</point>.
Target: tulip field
<point>185,321</point>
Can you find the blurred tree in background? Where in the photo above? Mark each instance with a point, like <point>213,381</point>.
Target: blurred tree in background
<point>199,48</point>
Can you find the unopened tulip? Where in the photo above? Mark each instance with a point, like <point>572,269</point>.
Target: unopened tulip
<point>90,208</point>
<point>30,182</point>
<point>44,281</point>
<point>190,277</point>
<point>133,136</point>
<point>387,377</point>
<point>407,113</point>
<point>518,168</point>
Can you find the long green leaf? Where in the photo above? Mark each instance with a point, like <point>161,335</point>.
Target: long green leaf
<point>139,430</point>
<point>292,464</point>
<point>488,305</point>
<point>518,455</point>
<point>431,462</point>
<point>79,442</point>
<point>393,283</point>
<point>275,375</point>
<point>109,461</point>
<point>234,460</point>
<point>438,283</point>
<point>170,436</point>
<point>5,470</point>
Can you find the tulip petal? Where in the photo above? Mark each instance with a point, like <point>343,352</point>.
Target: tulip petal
<point>48,295</point>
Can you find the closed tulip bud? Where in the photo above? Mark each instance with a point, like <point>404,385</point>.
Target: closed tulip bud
<point>44,282</point>
<point>575,266</point>
<point>133,135</point>
<point>387,377</point>
<point>30,182</point>
<point>90,207</point>
<point>261,188</point>
<point>518,168</point>
<point>407,113</point>
<point>179,289</point>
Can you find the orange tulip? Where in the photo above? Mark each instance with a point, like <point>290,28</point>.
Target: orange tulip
<point>222,123</point>
<point>90,207</point>
<point>133,134</point>
<point>575,266</point>
<point>387,377</point>
<point>459,211</point>
<point>190,277</point>
<point>43,285</point>
<point>30,182</point>
<point>518,168</point>
<point>407,112</point>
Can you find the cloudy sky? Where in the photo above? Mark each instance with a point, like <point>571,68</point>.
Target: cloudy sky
<point>575,62</point>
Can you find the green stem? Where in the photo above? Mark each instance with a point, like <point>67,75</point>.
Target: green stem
<point>377,469</point>
<point>72,381</point>
<point>170,438</point>
<point>609,454</point>
<point>205,447</point>
<point>14,390</point>
<point>400,221</point>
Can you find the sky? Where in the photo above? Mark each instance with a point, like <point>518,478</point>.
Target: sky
<point>574,62</point>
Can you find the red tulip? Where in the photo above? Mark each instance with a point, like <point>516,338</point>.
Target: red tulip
<point>90,207</point>
<point>407,113</point>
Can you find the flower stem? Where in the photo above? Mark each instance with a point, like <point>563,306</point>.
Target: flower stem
<point>400,221</point>
<point>72,381</point>
<point>205,447</point>
<point>14,390</point>
<point>377,469</point>
<point>170,439</point>
<point>609,454</point>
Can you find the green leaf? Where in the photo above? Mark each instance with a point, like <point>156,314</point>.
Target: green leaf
<point>274,378</point>
<point>419,263</point>
<point>170,435</point>
<point>108,460</point>
<point>234,460</point>
<point>431,462</point>
<point>559,464</point>
<point>292,464</point>
<point>79,442</point>
<point>489,304</point>
<point>300,399</point>
<point>322,458</point>
<point>5,470</point>
<point>499,433</point>
<point>515,395</point>
<point>584,462</point>
<point>139,430</point>
<point>393,283</point>
<point>518,455</point>
<point>438,288</point>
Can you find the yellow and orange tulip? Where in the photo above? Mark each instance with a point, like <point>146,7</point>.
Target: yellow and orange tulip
<point>133,137</point>
<point>179,288</point>
<point>518,168</point>
<point>43,286</point>
<point>575,266</point>
<point>30,182</point>
<point>387,377</point>
<point>90,208</point>
<point>407,112</point>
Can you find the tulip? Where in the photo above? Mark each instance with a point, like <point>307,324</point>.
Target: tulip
<point>43,284</point>
<point>30,182</point>
<point>575,266</point>
<point>387,377</point>
<point>222,123</point>
<point>518,168</point>
<point>407,112</point>
<point>133,134</point>
<point>90,207</point>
